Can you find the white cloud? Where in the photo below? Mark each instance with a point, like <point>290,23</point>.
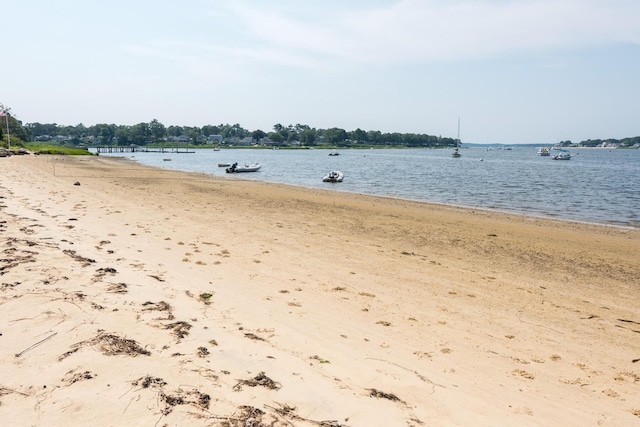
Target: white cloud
<point>435,30</point>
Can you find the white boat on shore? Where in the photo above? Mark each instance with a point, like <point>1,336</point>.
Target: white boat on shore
<point>235,168</point>
<point>333,176</point>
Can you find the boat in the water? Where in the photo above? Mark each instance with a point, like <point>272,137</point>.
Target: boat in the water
<point>244,168</point>
<point>334,153</point>
<point>333,176</point>
<point>563,155</point>
<point>544,151</point>
<point>456,151</point>
<point>224,165</point>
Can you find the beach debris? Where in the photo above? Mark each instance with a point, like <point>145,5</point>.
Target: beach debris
<point>14,257</point>
<point>180,329</point>
<point>159,306</point>
<point>205,297</point>
<point>85,261</point>
<point>111,345</point>
<point>146,382</point>
<point>178,397</point>
<point>36,344</point>
<point>248,416</point>
<point>259,380</point>
<point>319,359</point>
<point>67,354</point>
<point>118,288</point>
<point>76,183</point>
<point>9,285</point>
<point>101,272</point>
<point>253,336</point>
<point>287,411</point>
<point>382,395</point>
<point>80,376</point>
<point>4,391</point>
<point>203,352</point>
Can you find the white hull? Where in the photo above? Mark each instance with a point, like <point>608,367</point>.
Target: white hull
<point>245,168</point>
<point>333,176</point>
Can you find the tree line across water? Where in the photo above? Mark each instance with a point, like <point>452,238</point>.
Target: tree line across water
<point>156,133</point>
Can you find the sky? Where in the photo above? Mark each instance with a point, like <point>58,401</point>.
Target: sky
<point>510,71</point>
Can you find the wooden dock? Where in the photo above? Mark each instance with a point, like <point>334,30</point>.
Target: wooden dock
<point>137,149</point>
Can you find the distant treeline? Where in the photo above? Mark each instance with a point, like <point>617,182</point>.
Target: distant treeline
<point>155,132</point>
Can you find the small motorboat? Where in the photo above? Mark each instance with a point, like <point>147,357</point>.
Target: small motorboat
<point>544,151</point>
<point>166,159</point>
<point>245,168</point>
<point>334,153</point>
<point>563,155</point>
<point>333,176</point>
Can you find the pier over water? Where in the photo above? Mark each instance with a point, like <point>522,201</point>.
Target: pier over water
<point>138,149</point>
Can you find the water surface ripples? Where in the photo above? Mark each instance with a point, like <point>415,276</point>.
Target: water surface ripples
<point>596,185</point>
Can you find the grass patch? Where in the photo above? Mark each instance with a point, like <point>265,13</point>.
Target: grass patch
<point>55,149</point>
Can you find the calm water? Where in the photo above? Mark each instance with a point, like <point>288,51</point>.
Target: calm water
<point>596,185</point>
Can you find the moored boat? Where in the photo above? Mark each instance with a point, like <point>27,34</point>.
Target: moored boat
<point>544,151</point>
<point>234,168</point>
<point>456,151</point>
<point>333,176</point>
<point>563,155</point>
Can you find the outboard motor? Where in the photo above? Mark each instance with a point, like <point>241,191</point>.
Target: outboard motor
<point>232,168</point>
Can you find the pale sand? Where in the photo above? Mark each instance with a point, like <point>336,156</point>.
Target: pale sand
<point>325,307</point>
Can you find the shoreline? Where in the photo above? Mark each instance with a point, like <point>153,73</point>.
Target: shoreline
<point>144,295</point>
<point>593,215</point>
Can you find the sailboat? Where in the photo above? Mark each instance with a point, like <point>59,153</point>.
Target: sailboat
<point>456,151</point>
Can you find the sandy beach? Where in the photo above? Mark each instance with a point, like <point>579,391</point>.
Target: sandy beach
<point>138,296</point>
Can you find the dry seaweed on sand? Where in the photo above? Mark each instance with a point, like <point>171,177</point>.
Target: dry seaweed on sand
<point>67,354</point>
<point>180,329</point>
<point>253,336</point>
<point>206,297</point>
<point>85,261</point>
<point>259,380</point>
<point>245,416</point>
<point>148,381</point>
<point>248,416</point>
<point>159,306</point>
<point>178,397</point>
<point>382,395</point>
<point>117,288</point>
<point>289,412</point>
<point>111,345</point>
<point>13,258</point>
